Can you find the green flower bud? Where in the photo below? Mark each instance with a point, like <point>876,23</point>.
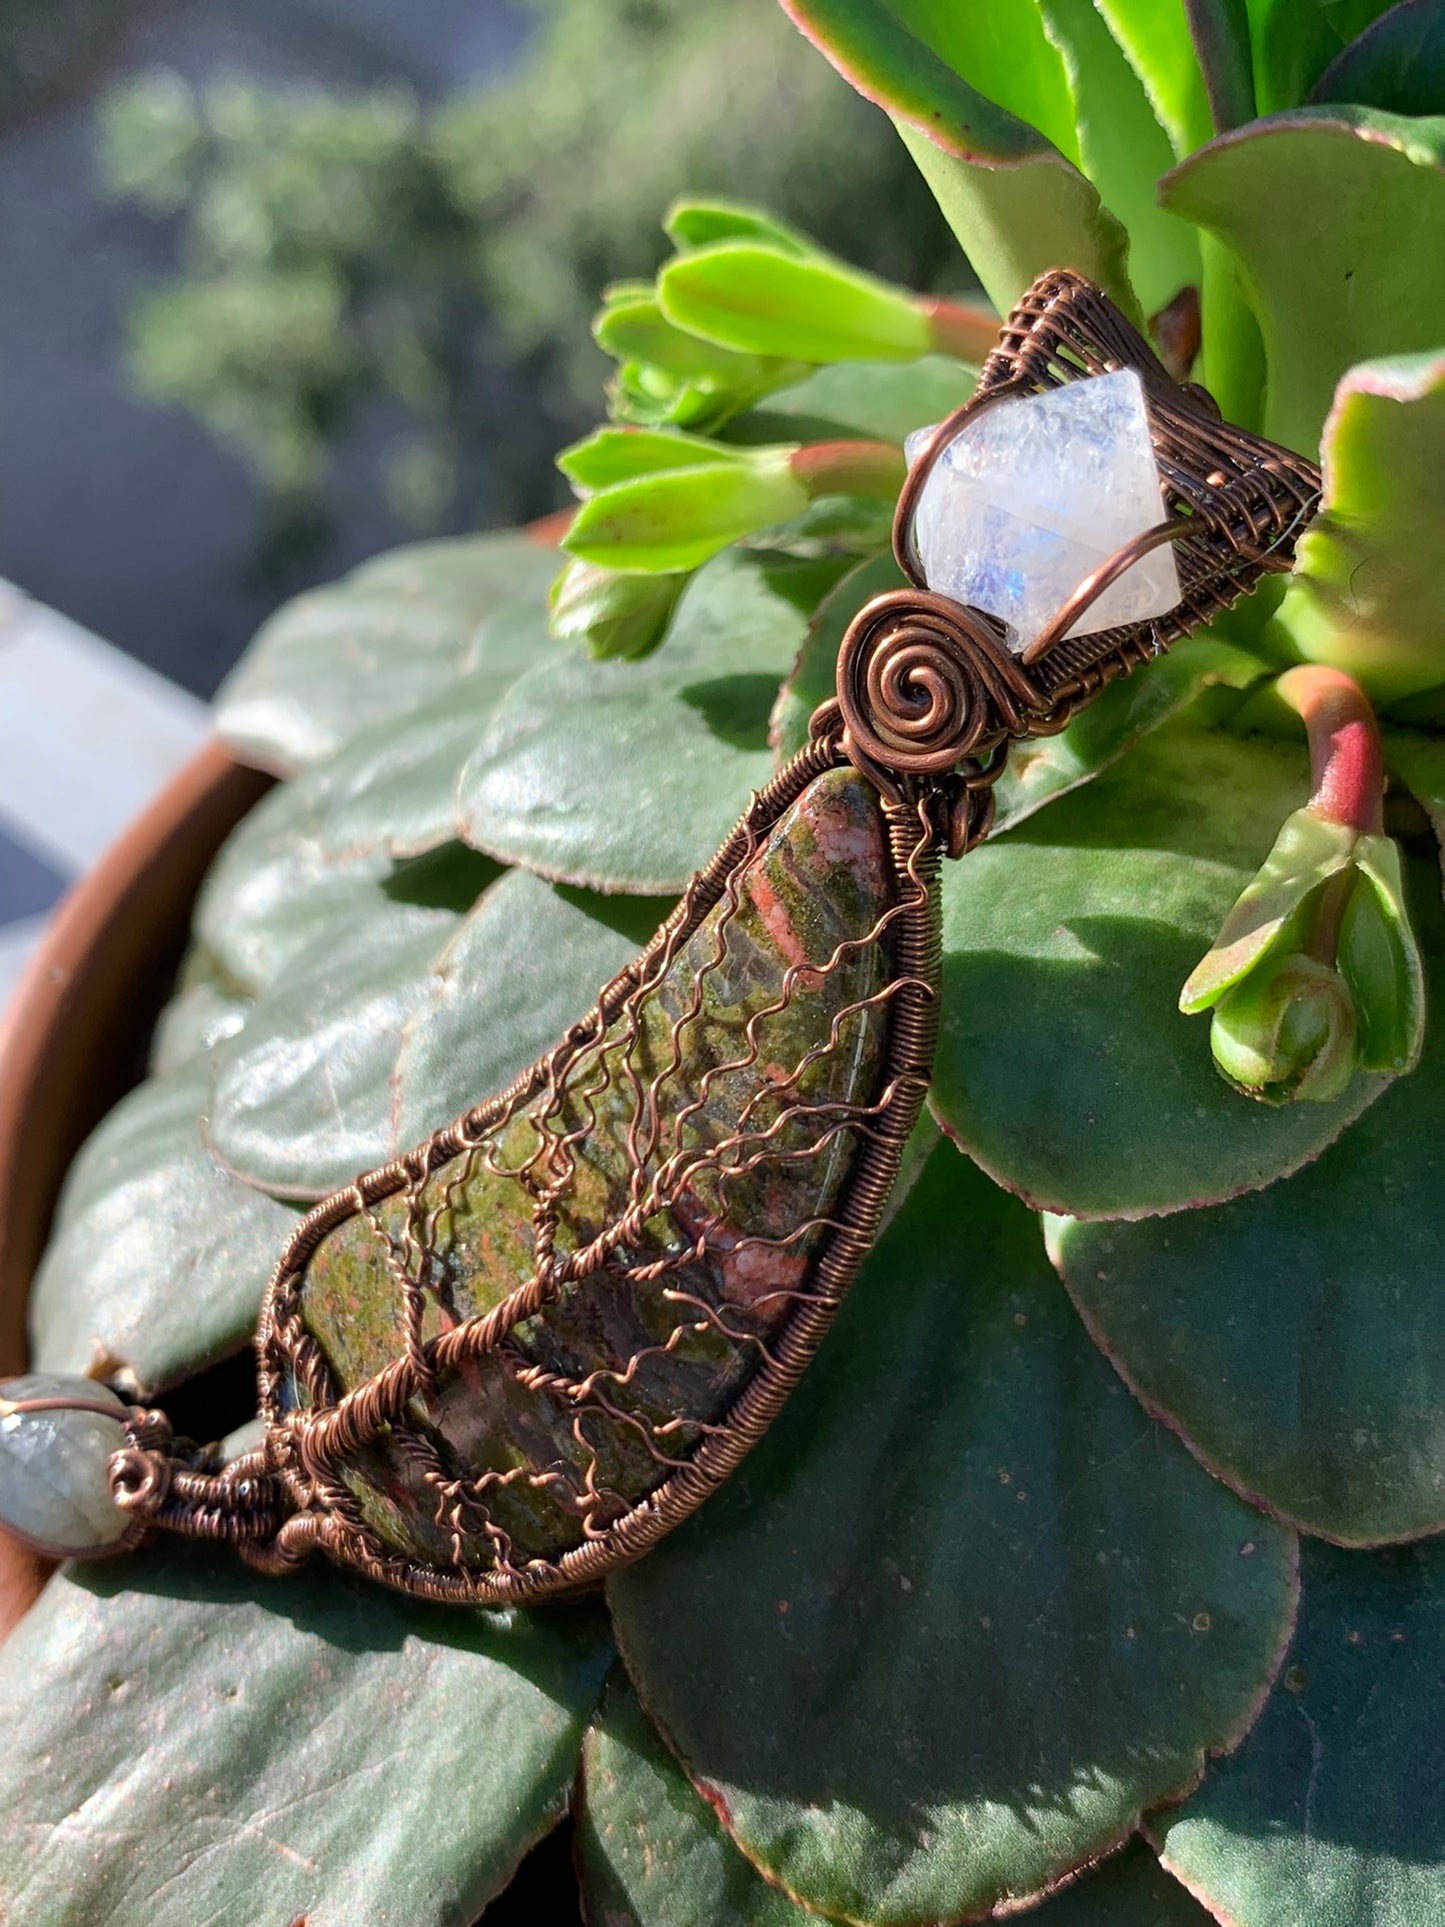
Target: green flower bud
<point>615,614</point>
<point>1287,1033</point>
<point>675,518</point>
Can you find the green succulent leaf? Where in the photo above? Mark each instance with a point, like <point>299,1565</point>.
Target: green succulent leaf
<point>698,224</point>
<point>1063,1066</point>
<point>158,1258</point>
<point>1123,148</point>
<point>1381,961</point>
<point>276,887</point>
<point>392,790</point>
<point>762,300</point>
<point>1194,63</point>
<point>680,518</point>
<point>982,102</point>
<point>1330,1812</point>
<point>1117,720</point>
<point>1368,590</point>
<point>650,1850</point>
<point>616,613</point>
<point>1289,1336</point>
<point>527,962</point>
<point>610,455</point>
<point>304,1097</point>
<point>1397,63</point>
<point>1419,761</point>
<point>627,776</point>
<point>967,1609</point>
<point>1295,41</point>
<point>1309,850</point>
<point>1331,293</point>
<point>387,638</point>
<point>197,1018</point>
<point>208,1747</point>
<point>654,1854</point>
<point>883,399</point>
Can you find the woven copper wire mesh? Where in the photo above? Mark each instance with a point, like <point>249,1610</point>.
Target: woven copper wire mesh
<point>928,700</point>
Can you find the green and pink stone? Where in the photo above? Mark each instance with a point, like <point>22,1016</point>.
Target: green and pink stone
<point>588,1405</point>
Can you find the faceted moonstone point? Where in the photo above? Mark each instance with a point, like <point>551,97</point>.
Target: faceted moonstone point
<point>54,1479</point>
<point>1032,495</point>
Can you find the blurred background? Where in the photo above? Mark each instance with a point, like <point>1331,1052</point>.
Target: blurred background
<point>289,281</point>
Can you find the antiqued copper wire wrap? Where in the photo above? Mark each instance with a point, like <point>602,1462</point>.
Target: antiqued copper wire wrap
<point>928,701</point>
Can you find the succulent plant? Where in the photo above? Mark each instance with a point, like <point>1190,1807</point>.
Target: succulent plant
<point>1093,1567</point>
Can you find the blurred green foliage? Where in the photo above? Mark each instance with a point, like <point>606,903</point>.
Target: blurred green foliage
<point>335,251</point>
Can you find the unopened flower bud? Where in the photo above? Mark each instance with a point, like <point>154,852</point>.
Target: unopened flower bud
<point>1287,1033</point>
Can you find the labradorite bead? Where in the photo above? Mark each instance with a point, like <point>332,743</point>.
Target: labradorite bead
<point>54,1487</point>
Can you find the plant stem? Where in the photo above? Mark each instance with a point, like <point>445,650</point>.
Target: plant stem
<point>850,468</point>
<point>1346,770</point>
<point>958,329</point>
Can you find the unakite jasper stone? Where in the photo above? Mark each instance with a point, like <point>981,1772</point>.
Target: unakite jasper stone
<point>668,1357</point>
<point>54,1485</point>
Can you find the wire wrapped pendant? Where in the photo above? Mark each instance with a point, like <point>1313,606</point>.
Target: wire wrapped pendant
<point>512,1360</point>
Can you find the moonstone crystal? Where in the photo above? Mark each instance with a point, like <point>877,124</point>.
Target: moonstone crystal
<point>1032,495</point>
<point>54,1488</point>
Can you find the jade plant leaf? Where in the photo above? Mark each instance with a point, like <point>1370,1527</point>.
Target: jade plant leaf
<point>654,1854</point>
<point>1398,62</point>
<point>200,1016</point>
<point>982,102</point>
<point>211,1746</point>
<point>1193,60</point>
<point>1419,761</point>
<point>1330,1812</point>
<point>1122,146</point>
<point>1327,293</point>
<point>1290,1337</point>
<point>393,787</point>
<point>1295,41</point>
<point>1063,1064</point>
<point>965,1610</point>
<point>626,776</point>
<point>883,400</point>
<point>527,963</point>
<point>276,886</point>
<point>1369,580</point>
<point>650,1850</point>
<point>159,1258</point>
<point>304,1098</point>
<point>392,634</point>
<point>1118,719</point>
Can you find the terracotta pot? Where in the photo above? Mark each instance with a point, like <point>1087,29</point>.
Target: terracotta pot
<point>74,1037</point>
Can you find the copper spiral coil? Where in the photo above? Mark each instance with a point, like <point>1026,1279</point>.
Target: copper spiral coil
<point>924,683</point>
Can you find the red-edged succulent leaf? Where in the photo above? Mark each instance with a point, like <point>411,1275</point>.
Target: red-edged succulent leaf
<point>1330,1812</point>
<point>653,1853</point>
<point>186,1742</point>
<point>965,1610</point>
<point>1327,293</point>
<point>1064,1066</point>
<point>1369,581</point>
<point>983,104</point>
<point>1290,1336</point>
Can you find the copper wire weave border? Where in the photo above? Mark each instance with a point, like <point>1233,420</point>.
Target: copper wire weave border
<point>928,699</point>
<point>307,1455</point>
